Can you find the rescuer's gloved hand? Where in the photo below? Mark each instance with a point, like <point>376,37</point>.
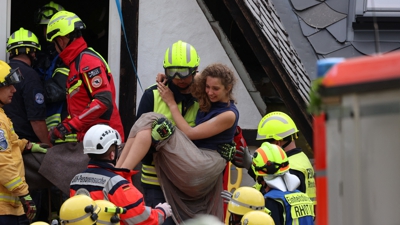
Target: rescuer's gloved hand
<point>161,129</point>
<point>166,208</point>
<point>29,206</point>
<point>34,147</point>
<point>227,150</point>
<point>59,132</point>
<point>226,196</point>
<point>242,158</point>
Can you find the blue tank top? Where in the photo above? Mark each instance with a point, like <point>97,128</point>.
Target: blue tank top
<point>224,137</point>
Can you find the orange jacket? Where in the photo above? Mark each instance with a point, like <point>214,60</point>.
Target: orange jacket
<point>102,181</point>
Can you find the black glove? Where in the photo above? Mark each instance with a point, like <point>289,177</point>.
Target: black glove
<point>242,158</point>
<point>161,129</point>
<point>227,151</point>
<point>29,206</point>
<point>59,132</point>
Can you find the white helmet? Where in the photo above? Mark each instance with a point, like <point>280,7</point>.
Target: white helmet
<point>99,138</point>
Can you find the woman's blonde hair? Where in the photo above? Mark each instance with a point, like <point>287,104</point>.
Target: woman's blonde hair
<point>216,70</point>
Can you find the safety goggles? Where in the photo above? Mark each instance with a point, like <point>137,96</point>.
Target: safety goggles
<point>42,13</point>
<point>179,72</point>
<point>13,77</point>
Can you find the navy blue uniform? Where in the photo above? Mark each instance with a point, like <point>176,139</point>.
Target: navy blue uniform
<point>28,102</point>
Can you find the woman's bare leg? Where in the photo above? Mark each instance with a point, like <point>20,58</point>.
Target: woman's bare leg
<point>135,149</point>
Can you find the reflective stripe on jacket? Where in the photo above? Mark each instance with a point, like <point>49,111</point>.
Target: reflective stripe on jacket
<point>102,181</point>
<point>298,208</point>
<point>300,162</point>
<point>12,178</point>
<point>149,174</point>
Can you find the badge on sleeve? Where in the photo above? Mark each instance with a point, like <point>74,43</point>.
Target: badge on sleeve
<point>96,82</point>
<point>39,98</point>
<point>3,141</point>
<point>94,72</point>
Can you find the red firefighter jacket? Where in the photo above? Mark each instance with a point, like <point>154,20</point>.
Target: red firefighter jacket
<point>90,90</point>
<point>102,181</point>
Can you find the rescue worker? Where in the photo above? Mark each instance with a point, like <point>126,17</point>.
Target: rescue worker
<point>256,218</point>
<point>54,73</point>
<point>79,210</point>
<point>101,180</point>
<point>288,205</point>
<point>242,201</point>
<point>16,205</point>
<point>180,64</point>
<point>90,85</point>
<point>28,108</point>
<point>278,128</point>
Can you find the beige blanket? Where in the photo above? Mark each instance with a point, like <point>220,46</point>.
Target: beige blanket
<point>190,178</point>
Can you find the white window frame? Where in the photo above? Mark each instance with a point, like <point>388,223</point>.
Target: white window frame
<point>378,8</point>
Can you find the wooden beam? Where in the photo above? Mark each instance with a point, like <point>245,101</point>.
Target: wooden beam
<point>272,66</point>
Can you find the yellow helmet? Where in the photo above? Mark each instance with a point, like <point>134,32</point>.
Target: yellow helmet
<point>246,199</point>
<point>181,59</point>
<point>63,23</point>
<point>9,76</point>
<point>39,223</point>
<point>277,126</point>
<point>257,218</point>
<point>22,41</point>
<point>269,159</point>
<point>108,214</point>
<point>79,210</point>
<point>44,13</point>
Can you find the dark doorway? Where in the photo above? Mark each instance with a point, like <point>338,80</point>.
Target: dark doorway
<point>93,13</point>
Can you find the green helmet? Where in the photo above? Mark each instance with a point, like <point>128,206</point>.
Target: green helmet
<point>22,41</point>
<point>44,13</point>
<point>270,159</point>
<point>277,126</point>
<point>181,54</point>
<point>62,24</point>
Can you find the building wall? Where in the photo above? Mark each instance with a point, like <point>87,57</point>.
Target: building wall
<point>162,23</point>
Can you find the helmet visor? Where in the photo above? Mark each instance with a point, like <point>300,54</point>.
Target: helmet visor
<point>13,77</point>
<point>179,72</point>
<point>41,14</point>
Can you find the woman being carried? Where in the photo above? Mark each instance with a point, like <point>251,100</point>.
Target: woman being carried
<point>190,173</point>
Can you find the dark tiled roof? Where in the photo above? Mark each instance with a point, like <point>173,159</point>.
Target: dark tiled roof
<point>271,26</point>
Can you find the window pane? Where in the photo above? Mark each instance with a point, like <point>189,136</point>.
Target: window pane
<point>383,5</point>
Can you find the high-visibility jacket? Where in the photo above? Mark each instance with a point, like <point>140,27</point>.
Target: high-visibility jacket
<point>103,181</point>
<point>12,178</point>
<point>300,162</point>
<point>189,111</point>
<point>298,207</point>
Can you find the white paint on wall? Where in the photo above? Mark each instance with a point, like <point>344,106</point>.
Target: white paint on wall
<point>5,15</point>
<point>162,23</point>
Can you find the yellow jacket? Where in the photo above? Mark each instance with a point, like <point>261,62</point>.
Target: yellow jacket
<point>12,179</point>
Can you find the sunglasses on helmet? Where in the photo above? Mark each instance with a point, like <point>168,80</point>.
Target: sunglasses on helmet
<point>270,167</point>
<point>179,72</point>
<point>13,77</point>
<point>42,13</point>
